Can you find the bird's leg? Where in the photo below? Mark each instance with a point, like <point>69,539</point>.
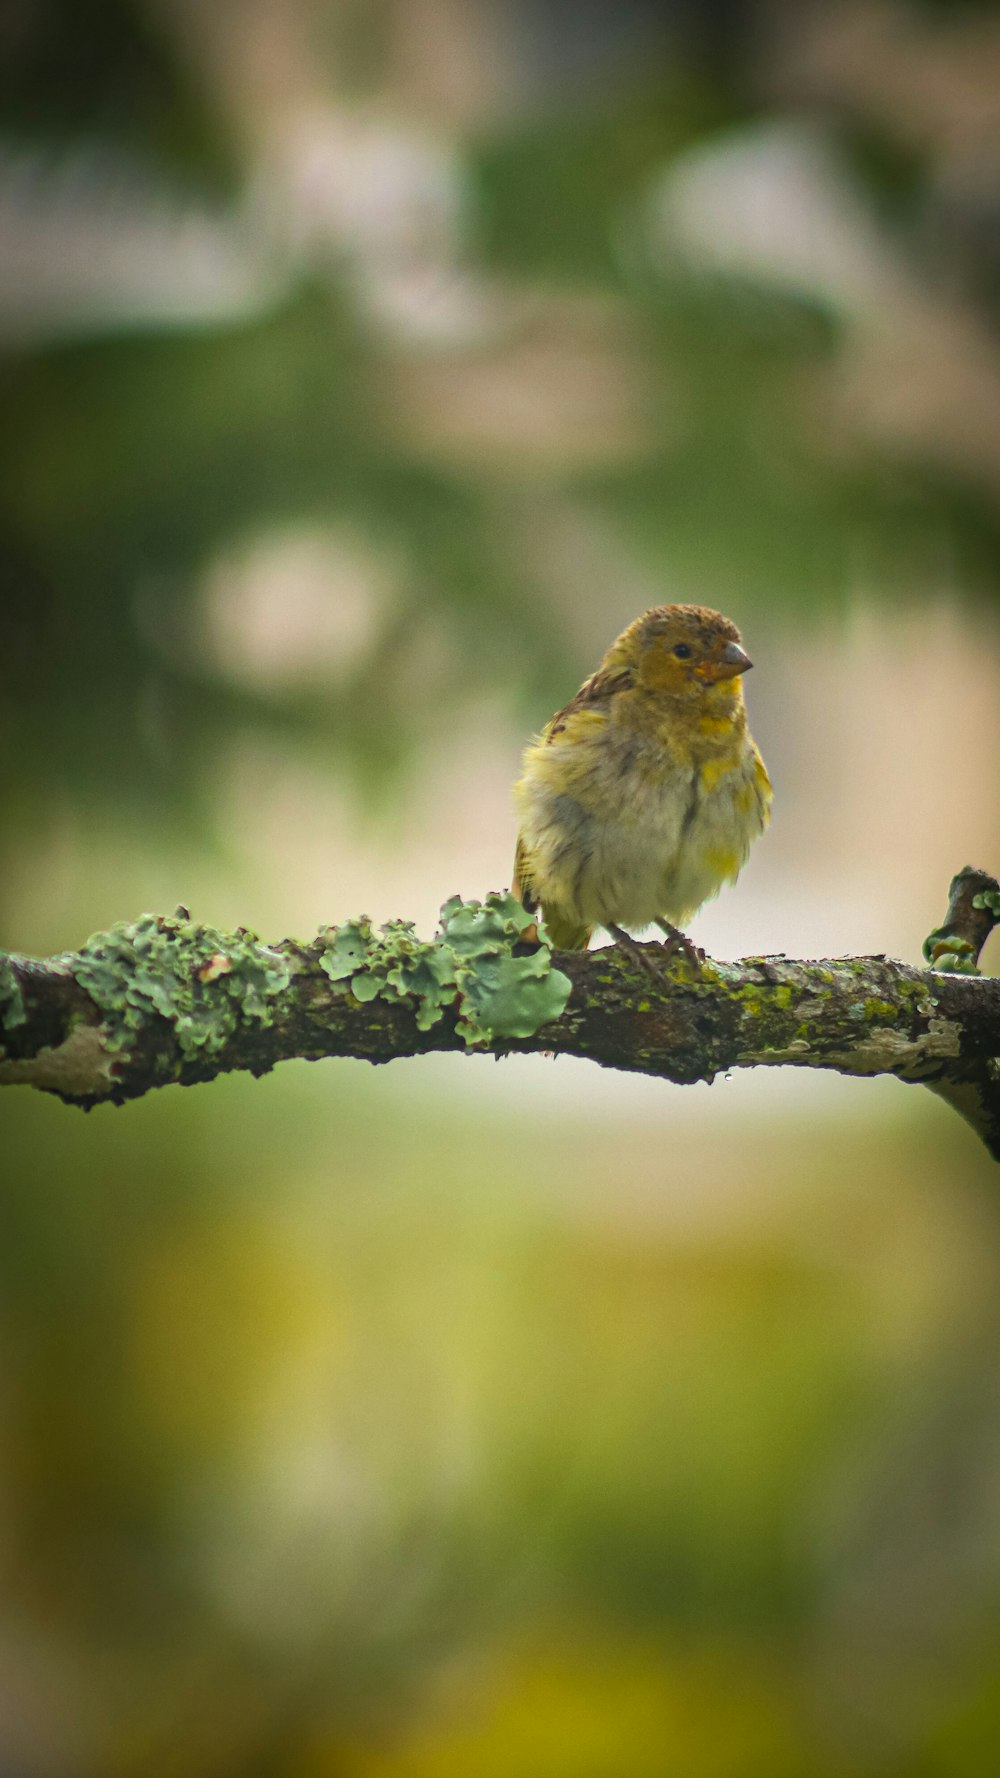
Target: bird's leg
<point>652,963</point>
<point>635,950</point>
<point>679,941</point>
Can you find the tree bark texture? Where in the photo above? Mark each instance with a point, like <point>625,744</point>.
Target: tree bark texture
<point>167,1000</point>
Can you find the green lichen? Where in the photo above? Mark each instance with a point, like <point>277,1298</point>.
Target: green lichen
<point>207,984</point>
<point>879,1010</point>
<point>756,998</point>
<point>346,948</point>
<point>988,898</point>
<point>13,1011</point>
<point>391,965</point>
<point>470,965</point>
<point>947,953</point>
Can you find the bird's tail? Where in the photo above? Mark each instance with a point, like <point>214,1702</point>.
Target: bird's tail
<point>565,934</point>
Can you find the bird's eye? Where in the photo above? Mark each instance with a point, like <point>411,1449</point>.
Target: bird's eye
<point>683,651</point>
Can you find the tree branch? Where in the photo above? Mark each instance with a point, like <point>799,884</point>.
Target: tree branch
<point>167,1000</point>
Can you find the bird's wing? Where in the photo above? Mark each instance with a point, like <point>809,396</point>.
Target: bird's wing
<point>565,935</point>
<point>522,886</point>
<point>583,713</point>
<point>599,689</point>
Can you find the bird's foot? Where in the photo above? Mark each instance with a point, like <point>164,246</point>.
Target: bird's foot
<point>652,961</point>
<point>679,941</point>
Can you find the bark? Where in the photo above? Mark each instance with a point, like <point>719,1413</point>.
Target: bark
<point>168,1001</point>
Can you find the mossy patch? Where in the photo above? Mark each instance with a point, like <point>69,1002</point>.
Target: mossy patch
<point>470,965</point>
<point>880,1011</point>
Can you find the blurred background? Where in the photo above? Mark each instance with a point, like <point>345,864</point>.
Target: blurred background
<point>364,368</point>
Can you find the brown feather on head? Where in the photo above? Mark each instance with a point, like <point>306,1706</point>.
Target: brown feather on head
<point>677,648</point>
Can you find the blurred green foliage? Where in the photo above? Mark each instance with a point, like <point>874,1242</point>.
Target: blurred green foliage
<point>75,69</point>
<point>131,462</point>
<point>373,1425</point>
<point>373,1449</point>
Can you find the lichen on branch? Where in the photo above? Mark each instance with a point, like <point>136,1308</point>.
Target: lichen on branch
<point>973,911</point>
<point>165,999</point>
<point>471,965</point>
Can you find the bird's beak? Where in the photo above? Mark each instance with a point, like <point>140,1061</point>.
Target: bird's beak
<point>728,664</point>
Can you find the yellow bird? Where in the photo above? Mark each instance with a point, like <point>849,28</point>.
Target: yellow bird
<point>643,796</point>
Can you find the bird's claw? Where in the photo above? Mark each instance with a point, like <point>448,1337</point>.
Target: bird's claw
<point>652,961</point>
<point>676,940</point>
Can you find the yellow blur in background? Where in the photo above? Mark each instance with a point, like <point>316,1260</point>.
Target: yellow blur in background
<point>365,370</point>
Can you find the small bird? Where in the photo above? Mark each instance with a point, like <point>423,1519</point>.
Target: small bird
<point>643,796</point>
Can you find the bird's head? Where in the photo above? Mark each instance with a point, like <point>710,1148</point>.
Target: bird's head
<point>685,650</point>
